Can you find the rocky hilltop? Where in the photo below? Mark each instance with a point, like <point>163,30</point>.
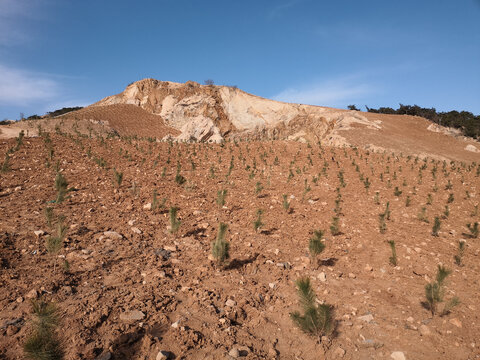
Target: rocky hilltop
<point>192,112</point>
<point>211,113</point>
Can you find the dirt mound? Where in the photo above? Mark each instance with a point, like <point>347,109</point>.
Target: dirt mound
<point>125,119</point>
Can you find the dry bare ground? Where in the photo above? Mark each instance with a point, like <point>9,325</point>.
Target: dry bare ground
<point>133,288</point>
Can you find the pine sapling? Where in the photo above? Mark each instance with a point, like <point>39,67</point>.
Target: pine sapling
<point>43,343</point>
<point>436,226</point>
<point>174,222</point>
<point>435,291</point>
<point>61,185</point>
<point>220,247</point>
<point>382,225</point>
<point>315,245</point>
<point>334,227</point>
<point>117,178</point>
<point>286,203</point>
<point>49,215</point>
<point>408,201</point>
<point>6,164</point>
<point>55,243</point>
<point>387,211</point>
<point>422,216</point>
<point>450,199</point>
<point>460,250</point>
<point>258,188</point>
<point>257,224</point>
<point>473,230</point>
<point>221,194</point>
<point>317,319</point>
<point>393,258</point>
<point>397,192</point>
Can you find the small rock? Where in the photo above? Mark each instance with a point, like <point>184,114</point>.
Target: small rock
<point>352,276</point>
<point>456,322</point>
<point>32,294</point>
<point>136,230</point>
<point>131,222</point>
<point>424,330</point>
<point>322,277</point>
<point>410,319</point>
<point>272,352</point>
<point>234,353</point>
<point>170,248</point>
<point>12,330</point>
<point>163,355</point>
<point>133,315</point>
<point>39,233</point>
<point>176,324</point>
<point>18,188</point>
<point>197,212</point>
<point>230,303</point>
<point>104,356</point>
<point>366,318</point>
<point>398,355</point>
<point>272,285</point>
<point>368,268</point>
<point>339,352</point>
<point>20,299</point>
<point>113,235</point>
<point>147,206</point>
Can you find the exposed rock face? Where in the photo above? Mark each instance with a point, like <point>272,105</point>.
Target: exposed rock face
<point>211,113</point>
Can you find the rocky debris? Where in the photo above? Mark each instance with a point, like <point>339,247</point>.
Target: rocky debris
<point>163,355</point>
<point>234,353</point>
<point>398,355</point>
<point>113,235</point>
<point>200,129</point>
<point>366,318</point>
<point>455,322</point>
<point>12,330</point>
<point>104,356</point>
<point>136,230</point>
<point>322,277</point>
<point>133,315</point>
<point>147,206</point>
<point>32,294</point>
<point>176,324</point>
<point>39,233</point>
<point>424,330</point>
<point>163,253</point>
<point>230,303</point>
<point>339,352</point>
<point>472,148</point>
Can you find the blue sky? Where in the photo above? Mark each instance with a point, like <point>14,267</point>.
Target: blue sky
<point>56,53</point>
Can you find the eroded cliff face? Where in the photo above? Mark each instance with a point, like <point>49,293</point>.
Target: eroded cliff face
<point>212,113</point>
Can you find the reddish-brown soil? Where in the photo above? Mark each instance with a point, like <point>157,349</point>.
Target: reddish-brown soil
<point>170,279</point>
<point>127,120</point>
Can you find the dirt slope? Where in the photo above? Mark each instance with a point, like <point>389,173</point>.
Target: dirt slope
<point>211,113</point>
<point>132,293</point>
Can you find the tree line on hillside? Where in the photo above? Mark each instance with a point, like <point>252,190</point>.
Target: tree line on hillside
<point>54,113</point>
<point>466,121</point>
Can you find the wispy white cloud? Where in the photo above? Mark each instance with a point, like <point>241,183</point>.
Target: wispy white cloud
<point>21,87</point>
<point>332,92</point>
<point>279,9</point>
<point>13,15</point>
